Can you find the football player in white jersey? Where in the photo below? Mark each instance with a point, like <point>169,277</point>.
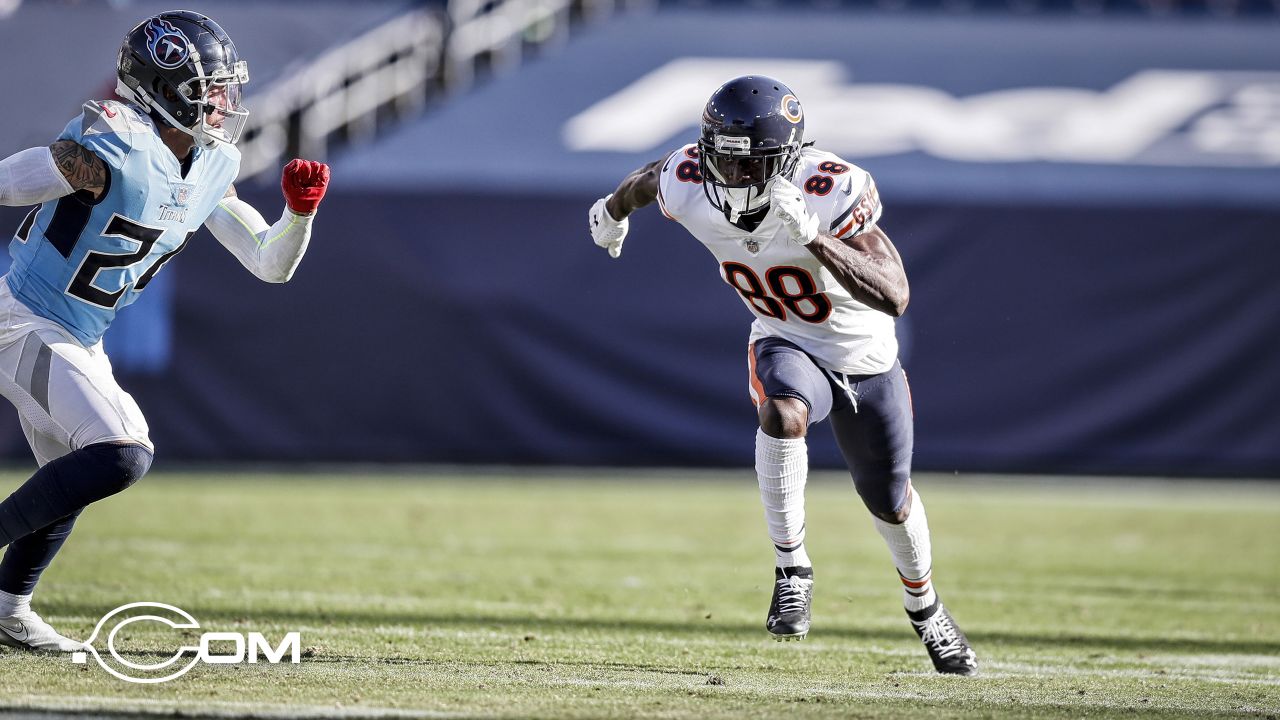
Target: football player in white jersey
<point>795,232</point>
<point>118,195</point>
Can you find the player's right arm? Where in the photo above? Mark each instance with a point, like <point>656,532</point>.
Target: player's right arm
<point>636,190</point>
<point>41,174</point>
<point>93,146</point>
<point>81,167</point>
<point>608,217</point>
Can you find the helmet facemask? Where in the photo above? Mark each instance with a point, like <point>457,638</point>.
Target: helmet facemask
<point>737,178</point>
<point>216,96</point>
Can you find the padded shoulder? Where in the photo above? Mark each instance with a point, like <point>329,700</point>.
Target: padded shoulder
<point>111,129</point>
<point>113,116</point>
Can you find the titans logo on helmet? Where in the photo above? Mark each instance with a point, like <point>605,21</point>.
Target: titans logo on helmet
<point>168,46</point>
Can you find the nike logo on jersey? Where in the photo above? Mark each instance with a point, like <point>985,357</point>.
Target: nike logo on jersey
<point>19,633</point>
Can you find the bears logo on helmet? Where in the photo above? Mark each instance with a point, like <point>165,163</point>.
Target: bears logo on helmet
<point>791,108</point>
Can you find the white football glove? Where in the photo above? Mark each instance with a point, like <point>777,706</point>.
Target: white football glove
<point>607,232</point>
<point>788,205</point>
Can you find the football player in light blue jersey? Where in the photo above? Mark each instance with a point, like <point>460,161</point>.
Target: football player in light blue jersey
<point>118,195</point>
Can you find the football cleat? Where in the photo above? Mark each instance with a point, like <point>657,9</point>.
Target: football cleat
<point>792,596</point>
<point>28,631</point>
<point>948,647</point>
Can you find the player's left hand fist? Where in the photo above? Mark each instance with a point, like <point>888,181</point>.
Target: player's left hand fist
<point>789,206</point>
<point>605,231</point>
<point>304,183</point>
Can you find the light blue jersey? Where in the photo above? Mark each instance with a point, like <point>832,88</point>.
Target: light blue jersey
<point>77,262</point>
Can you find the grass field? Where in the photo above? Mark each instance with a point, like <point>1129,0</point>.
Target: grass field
<point>644,596</point>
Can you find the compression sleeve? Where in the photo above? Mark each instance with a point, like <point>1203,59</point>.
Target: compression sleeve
<point>31,177</point>
<point>272,253</point>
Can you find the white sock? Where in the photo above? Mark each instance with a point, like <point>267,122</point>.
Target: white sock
<point>782,467</point>
<point>912,554</point>
<point>11,604</point>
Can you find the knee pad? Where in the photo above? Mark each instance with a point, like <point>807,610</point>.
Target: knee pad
<point>120,466</point>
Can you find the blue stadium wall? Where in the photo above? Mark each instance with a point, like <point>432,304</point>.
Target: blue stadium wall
<point>1067,315</point>
<point>411,334</point>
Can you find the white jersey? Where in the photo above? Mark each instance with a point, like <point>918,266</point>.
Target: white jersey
<point>792,295</point>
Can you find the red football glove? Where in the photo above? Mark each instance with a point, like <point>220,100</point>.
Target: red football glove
<point>304,183</point>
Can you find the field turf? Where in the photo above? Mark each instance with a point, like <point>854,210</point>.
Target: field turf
<point>622,595</point>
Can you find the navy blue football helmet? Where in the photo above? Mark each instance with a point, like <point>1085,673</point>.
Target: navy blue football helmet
<point>752,133</point>
<point>183,69</point>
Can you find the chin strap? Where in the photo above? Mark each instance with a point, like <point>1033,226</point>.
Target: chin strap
<point>162,118</point>
<point>733,213</point>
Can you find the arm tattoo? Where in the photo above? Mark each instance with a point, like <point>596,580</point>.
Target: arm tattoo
<point>82,169</point>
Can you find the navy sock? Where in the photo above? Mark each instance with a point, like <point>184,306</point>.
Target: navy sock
<point>26,559</point>
<point>66,485</point>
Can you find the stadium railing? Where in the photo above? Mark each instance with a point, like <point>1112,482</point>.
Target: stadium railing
<point>391,71</point>
<point>390,67</point>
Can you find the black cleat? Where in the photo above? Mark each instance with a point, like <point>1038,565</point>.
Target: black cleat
<point>792,596</point>
<point>948,647</point>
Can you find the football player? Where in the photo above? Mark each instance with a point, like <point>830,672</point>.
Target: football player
<point>119,194</point>
<point>795,232</point>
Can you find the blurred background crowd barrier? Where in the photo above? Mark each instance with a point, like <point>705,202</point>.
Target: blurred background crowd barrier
<point>1086,195</point>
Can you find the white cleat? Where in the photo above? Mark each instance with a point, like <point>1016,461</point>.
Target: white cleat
<point>28,631</point>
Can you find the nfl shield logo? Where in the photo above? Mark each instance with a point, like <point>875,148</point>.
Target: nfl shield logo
<point>181,193</point>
